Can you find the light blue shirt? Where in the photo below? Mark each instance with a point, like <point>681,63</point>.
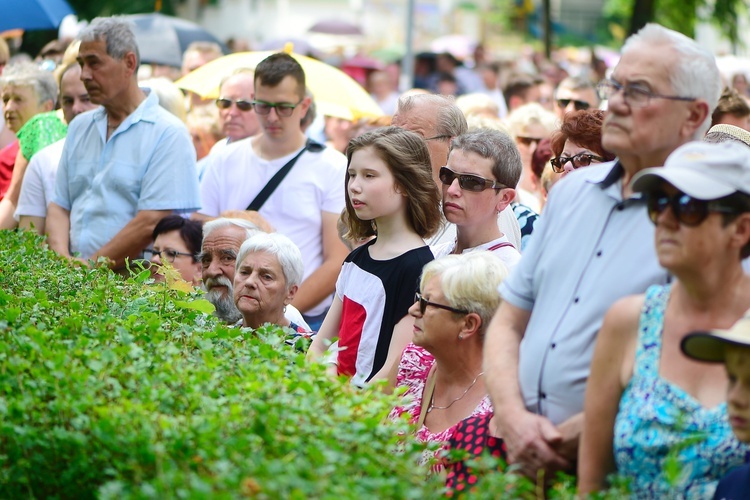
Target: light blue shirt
<point>589,248</point>
<point>148,163</point>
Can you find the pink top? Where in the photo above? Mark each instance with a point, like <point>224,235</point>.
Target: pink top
<point>412,372</point>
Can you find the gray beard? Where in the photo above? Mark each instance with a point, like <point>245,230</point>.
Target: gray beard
<point>223,302</point>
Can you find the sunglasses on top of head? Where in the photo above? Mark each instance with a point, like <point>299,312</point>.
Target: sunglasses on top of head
<point>687,210</point>
<point>468,182</point>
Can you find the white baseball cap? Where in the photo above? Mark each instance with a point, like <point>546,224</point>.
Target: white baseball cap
<point>701,170</point>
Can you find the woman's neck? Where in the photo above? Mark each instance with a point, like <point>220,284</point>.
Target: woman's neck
<point>394,237</point>
<point>470,236</point>
<point>714,291</point>
<point>460,363</point>
<point>262,317</point>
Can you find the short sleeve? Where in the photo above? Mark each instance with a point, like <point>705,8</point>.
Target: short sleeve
<point>33,200</point>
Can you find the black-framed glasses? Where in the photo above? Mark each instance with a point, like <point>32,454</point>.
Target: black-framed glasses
<point>634,95</point>
<point>284,109</point>
<point>437,137</point>
<point>578,105</point>
<point>527,141</point>
<point>423,303</point>
<point>226,103</point>
<point>166,254</point>
<point>579,160</point>
<point>468,182</point>
<point>686,209</point>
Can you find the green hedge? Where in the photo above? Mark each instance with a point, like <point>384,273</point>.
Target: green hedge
<point>114,388</point>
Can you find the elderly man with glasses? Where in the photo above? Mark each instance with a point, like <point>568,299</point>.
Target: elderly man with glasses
<point>660,96</point>
<point>303,205</point>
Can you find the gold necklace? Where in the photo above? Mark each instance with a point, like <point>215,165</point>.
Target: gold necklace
<point>432,399</point>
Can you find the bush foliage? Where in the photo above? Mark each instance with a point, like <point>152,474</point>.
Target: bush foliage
<point>114,388</point>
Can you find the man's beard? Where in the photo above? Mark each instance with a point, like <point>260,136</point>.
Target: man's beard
<point>223,302</point>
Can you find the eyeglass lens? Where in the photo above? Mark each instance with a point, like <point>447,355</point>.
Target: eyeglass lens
<point>467,182</point>
<point>282,109</point>
<point>578,105</point>
<point>688,210</point>
<point>242,105</point>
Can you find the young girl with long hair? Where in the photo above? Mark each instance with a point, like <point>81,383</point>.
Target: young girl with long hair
<point>390,193</point>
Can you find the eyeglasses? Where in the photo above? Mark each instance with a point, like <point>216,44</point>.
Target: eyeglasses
<point>526,141</point>
<point>688,210</point>
<point>226,103</point>
<point>634,95</point>
<point>468,182</point>
<point>284,109</point>
<point>166,254</point>
<point>423,303</point>
<point>579,160</point>
<point>578,105</point>
<point>437,137</point>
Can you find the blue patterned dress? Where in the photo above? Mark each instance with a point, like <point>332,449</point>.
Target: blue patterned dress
<point>666,442</point>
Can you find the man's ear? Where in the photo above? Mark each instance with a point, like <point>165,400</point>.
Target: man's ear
<point>131,62</point>
<point>697,113</point>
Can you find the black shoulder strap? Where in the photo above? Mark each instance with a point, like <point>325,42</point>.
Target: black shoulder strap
<point>269,188</point>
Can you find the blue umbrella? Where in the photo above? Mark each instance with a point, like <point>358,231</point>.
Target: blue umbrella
<point>162,39</point>
<point>33,14</point>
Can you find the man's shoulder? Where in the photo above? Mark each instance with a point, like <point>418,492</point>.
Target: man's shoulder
<point>327,156</point>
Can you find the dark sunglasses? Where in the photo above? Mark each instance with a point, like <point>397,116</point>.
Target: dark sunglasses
<point>688,210</point>
<point>578,105</point>
<point>526,141</point>
<point>423,303</point>
<point>167,254</point>
<point>579,160</point>
<point>284,109</point>
<point>226,103</point>
<point>468,182</point>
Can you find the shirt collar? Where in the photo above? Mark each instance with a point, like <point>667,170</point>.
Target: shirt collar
<point>146,111</point>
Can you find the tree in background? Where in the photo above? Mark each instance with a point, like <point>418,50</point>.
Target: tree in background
<point>680,15</point>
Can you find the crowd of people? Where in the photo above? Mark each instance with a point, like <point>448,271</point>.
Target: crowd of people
<point>547,265</point>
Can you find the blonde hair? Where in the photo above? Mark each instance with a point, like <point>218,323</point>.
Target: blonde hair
<point>531,114</point>
<point>469,282</point>
<point>477,104</point>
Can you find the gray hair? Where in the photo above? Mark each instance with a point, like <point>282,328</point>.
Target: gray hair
<point>693,73</point>
<point>287,253</point>
<point>30,75</point>
<point>450,120</point>
<point>250,228</point>
<point>117,32</point>
<point>496,146</point>
<point>469,282</point>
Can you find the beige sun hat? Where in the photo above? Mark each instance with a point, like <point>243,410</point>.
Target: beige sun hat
<point>723,132</point>
<point>711,346</point>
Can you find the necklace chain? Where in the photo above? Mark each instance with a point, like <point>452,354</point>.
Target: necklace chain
<point>432,399</point>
